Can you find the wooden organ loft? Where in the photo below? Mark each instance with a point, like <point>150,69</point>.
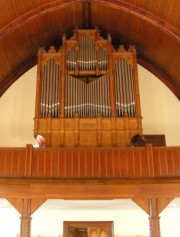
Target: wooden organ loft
<point>87,93</point>
<point>88,111</point>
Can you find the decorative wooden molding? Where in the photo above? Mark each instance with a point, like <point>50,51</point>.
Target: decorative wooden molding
<point>18,204</point>
<point>142,203</point>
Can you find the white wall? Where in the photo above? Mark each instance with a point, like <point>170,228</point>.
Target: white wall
<point>53,221</point>
<point>128,218</point>
<point>159,107</point>
<point>17,107</point>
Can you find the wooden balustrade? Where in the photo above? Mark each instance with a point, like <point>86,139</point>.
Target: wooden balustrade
<point>127,162</point>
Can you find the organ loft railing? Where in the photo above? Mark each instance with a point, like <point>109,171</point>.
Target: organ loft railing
<point>87,93</point>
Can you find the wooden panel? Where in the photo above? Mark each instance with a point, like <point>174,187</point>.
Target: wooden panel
<point>82,164</point>
<point>156,140</point>
<point>88,124</point>
<point>133,123</point>
<point>121,138</point>
<point>120,123</point>
<point>69,138</point>
<point>107,138</point>
<point>88,138</point>
<point>55,139</point>
<point>166,161</point>
<point>90,162</point>
<point>69,124</point>
<point>42,124</point>
<point>106,124</point>
<point>55,126</point>
<point>12,162</point>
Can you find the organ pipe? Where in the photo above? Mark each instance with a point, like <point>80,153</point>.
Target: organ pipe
<point>50,89</point>
<point>87,82</point>
<point>87,58</point>
<point>87,99</point>
<point>124,88</point>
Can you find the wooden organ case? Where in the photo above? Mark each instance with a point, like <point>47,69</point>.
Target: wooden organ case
<point>87,93</point>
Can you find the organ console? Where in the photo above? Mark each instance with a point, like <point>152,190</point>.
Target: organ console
<point>87,93</point>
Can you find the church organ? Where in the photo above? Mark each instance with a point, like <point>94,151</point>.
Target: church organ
<point>87,93</point>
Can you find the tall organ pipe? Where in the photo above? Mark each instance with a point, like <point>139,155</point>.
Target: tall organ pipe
<point>87,99</point>
<point>50,89</point>
<point>124,90</point>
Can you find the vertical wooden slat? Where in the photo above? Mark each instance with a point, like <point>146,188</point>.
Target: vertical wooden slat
<point>8,161</point>
<point>41,163</point>
<point>69,163</point>
<point>163,162</point>
<point>95,161</point>
<point>156,162</point>
<point>28,160</point>
<point>48,163</point>
<point>55,163</point>
<point>117,157</point>
<point>176,156</point>
<point>130,162</point>
<point>137,163</point>
<point>82,163</point>
<point>89,163</point>
<point>2,162</point>
<point>150,160</point>
<point>170,162</point>
<point>123,162</point>
<point>144,163</point>
<point>75,163</point>
<point>102,163</point>
<point>110,163</point>
<point>61,163</point>
<point>15,163</point>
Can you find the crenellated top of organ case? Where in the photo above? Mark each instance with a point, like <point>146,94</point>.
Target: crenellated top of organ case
<point>89,81</point>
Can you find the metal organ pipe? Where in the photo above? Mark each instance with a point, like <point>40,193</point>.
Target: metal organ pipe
<point>133,108</point>
<point>102,59</point>
<point>50,89</point>
<point>87,99</point>
<point>86,54</point>
<point>43,91</point>
<point>124,90</point>
<point>90,94</point>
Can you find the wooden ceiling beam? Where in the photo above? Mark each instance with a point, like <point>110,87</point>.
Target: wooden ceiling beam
<point>120,5</point>
<point>143,14</point>
<point>87,16</point>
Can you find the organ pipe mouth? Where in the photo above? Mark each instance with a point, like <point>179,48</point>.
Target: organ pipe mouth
<point>87,99</point>
<point>88,79</point>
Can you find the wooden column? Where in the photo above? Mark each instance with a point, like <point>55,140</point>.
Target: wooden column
<point>26,207</point>
<point>38,84</point>
<point>154,218</point>
<point>153,206</point>
<point>26,218</point>
<point>62,76</point>
<point>111,78</point>
<point>136,84</point>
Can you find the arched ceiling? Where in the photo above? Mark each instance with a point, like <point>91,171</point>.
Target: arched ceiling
<point>152,26</point>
